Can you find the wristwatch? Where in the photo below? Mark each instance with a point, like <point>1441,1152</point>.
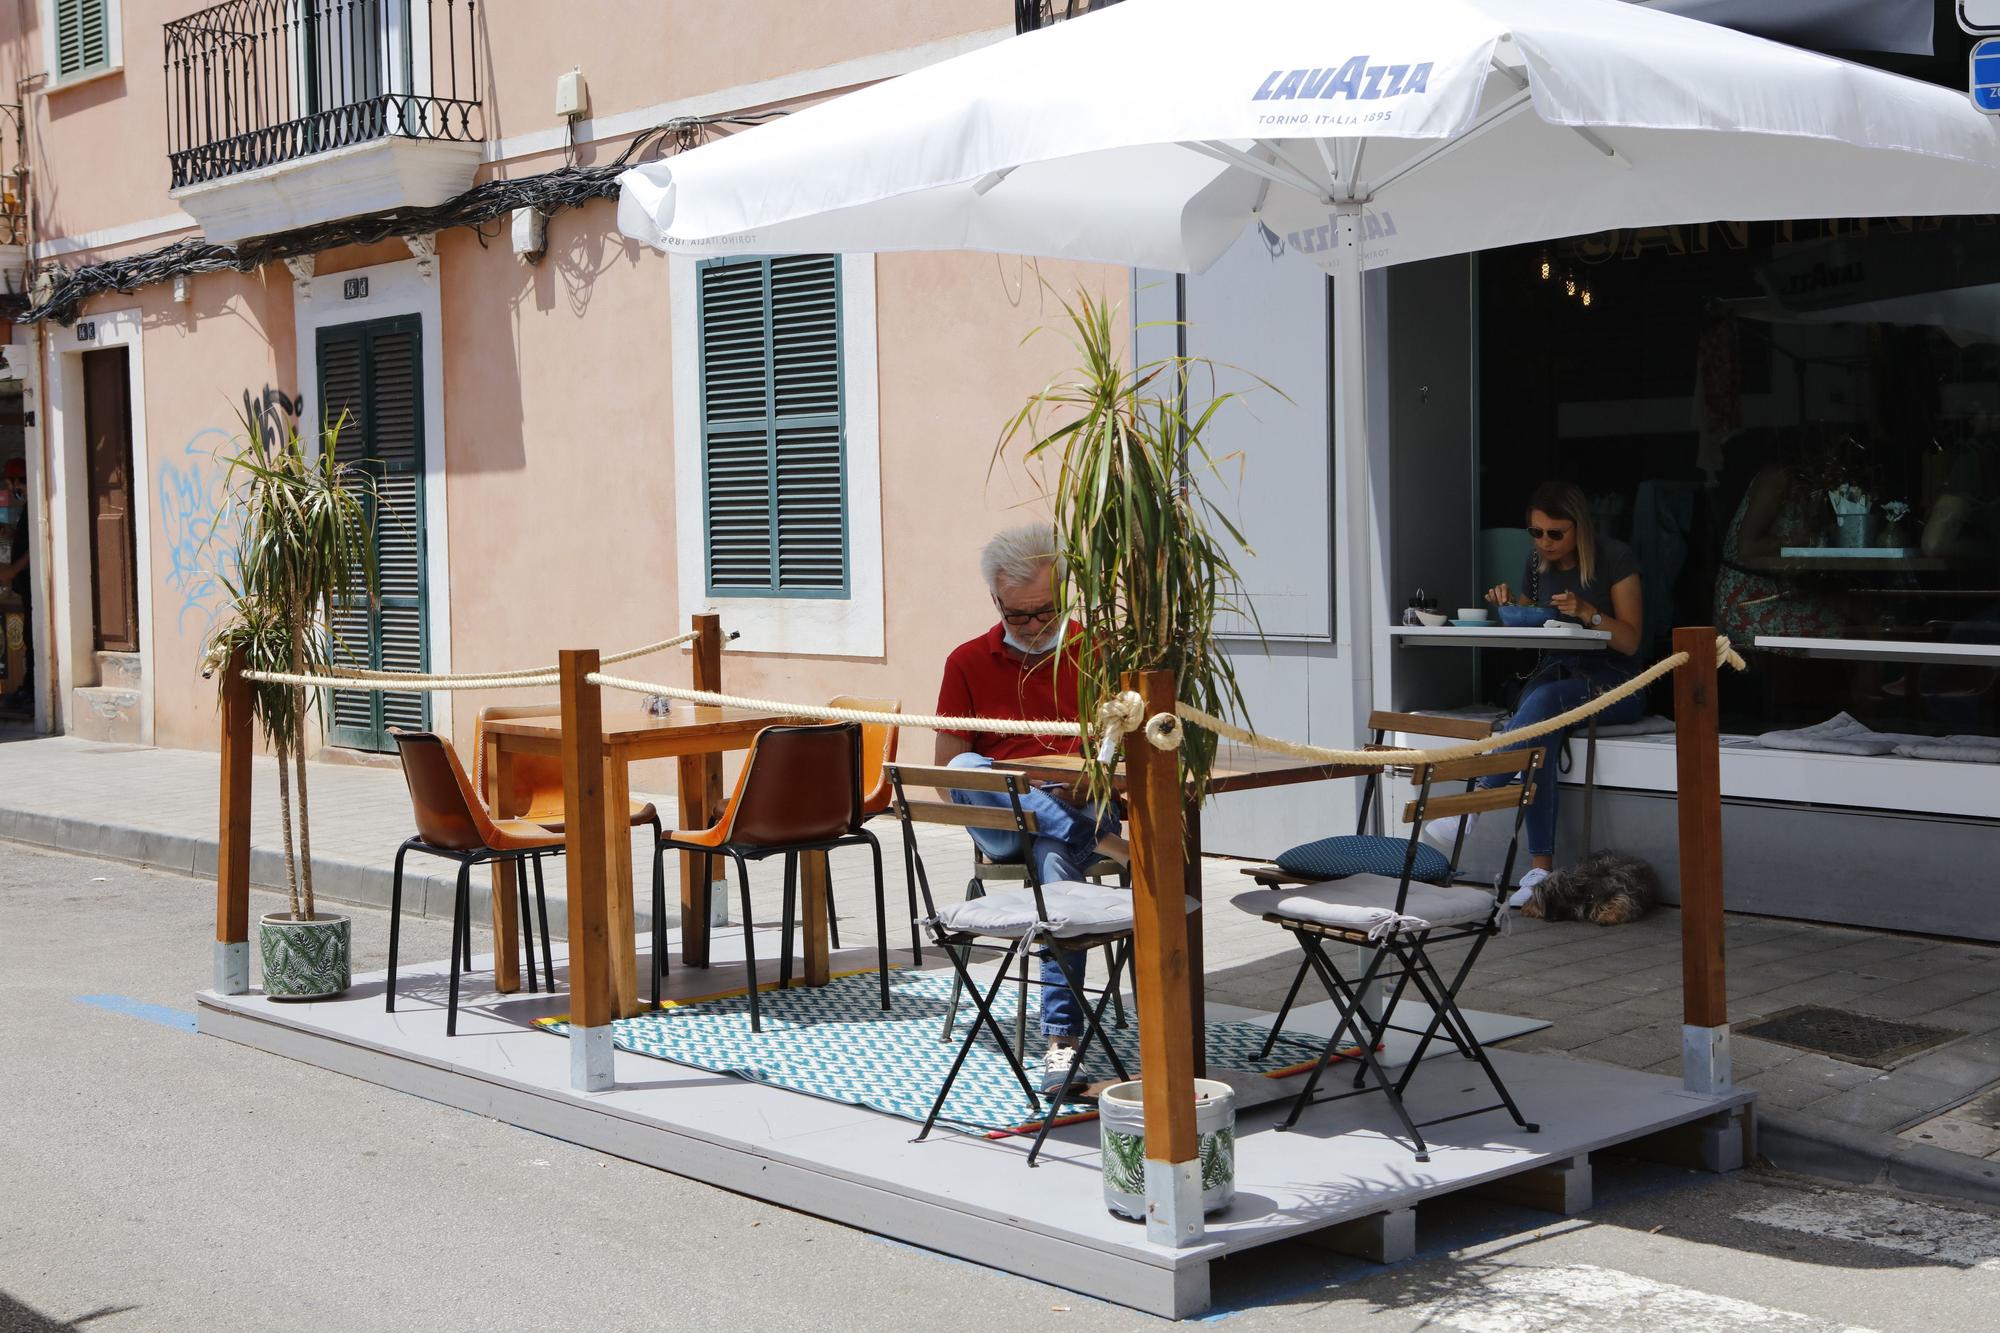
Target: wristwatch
<point>1596,619</point>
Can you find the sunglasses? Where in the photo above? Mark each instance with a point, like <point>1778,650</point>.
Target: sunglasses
<point>1026,617</point>
<point>1553,534</point>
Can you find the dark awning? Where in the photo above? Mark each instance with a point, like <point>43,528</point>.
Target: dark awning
<point>1902,27</point>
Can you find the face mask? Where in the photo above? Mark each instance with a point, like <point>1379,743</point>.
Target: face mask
<point>1008,637</point>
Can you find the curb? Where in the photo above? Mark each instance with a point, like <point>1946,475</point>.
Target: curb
<point>1810,1145</point>
<point>426,892</point>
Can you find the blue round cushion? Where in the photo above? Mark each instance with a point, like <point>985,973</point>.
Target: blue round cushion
<point>1362,854</point>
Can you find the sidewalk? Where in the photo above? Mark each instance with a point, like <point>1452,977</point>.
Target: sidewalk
<point>1611,994</point>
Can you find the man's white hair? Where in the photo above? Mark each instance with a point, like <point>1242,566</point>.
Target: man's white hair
<point>1019,554</point>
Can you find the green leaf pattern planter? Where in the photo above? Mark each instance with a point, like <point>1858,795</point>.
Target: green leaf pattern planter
<point>1122,1133</point>
<point>305,960</point>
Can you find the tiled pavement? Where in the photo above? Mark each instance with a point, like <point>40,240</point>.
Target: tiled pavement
<point>1611,994</point>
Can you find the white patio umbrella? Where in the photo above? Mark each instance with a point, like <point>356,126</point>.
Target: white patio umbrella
<point>1152,133</point>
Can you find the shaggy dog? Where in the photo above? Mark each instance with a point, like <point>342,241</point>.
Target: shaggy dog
<point>1609,888</point>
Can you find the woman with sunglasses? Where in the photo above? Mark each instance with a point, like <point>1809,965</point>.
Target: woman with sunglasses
<point>1590,581</point>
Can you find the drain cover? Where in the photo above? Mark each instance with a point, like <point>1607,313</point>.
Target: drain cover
<point>1860,1039</point>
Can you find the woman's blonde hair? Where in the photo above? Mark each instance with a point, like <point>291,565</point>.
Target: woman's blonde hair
<point>1559,499</point>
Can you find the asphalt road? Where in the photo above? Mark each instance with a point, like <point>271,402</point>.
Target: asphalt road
<point>154,1179</point>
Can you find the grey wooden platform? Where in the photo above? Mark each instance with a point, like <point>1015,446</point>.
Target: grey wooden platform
<point>1340,1176</point>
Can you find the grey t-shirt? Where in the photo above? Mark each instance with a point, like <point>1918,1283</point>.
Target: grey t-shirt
<point>1614,565</point>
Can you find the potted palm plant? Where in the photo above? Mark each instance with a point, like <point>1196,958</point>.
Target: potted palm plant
<point>1149,552</point>
<point>1150,570</point>
<point>304,547</point>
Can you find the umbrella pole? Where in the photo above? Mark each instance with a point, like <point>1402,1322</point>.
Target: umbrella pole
<point>1355,554</point>
<point>1350,387</point>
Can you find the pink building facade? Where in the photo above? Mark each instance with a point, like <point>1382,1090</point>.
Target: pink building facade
<point>535,401</point>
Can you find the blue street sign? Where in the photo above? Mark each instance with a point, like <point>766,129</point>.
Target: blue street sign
<point>1985,83</point>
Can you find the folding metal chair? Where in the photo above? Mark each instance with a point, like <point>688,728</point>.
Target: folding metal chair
<point>1365,853</point>
<point>1078,916</point>
<point>1397,921</point>
<point>1362,852</point>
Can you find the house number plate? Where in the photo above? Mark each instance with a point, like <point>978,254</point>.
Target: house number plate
<point>86,331</point>
<point>354,289</point>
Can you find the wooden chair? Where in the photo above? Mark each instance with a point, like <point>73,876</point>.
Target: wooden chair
<point>799,791</point>
<point>878,750</point>
<point>1362,852</point>
<point>452,822</point>
<point>1010,922</point>
<point>1396,920</point>
<point>535,793</point>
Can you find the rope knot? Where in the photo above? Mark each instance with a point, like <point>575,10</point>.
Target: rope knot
<point>1121,714</point>
<point>1165,732</point>
<point>1726,654</point>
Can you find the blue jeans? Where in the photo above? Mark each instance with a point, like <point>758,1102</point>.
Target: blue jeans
<point>1065,844</point>
<point>1544,698</point>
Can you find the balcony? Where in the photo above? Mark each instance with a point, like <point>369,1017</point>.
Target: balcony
<point>284,114</point>
<point>1032,14</point>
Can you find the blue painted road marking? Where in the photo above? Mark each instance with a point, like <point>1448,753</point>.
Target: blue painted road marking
<point>181,1020</point>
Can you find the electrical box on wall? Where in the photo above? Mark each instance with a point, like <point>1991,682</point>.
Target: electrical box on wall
<point>531,233</point>
<point>572,94</point>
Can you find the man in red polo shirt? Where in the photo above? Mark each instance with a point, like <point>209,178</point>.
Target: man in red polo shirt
<point>1015,671</point>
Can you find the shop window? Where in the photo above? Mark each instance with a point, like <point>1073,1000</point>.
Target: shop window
<point>1796,428</point>
<point>773,427</point>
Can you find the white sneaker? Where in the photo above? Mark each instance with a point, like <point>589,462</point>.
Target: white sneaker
<point>1443,833</point>
<point>1056,1066</point>
<point>1526,893</point>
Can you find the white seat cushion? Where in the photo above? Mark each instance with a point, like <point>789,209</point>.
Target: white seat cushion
<point>1366,904</point>
<point>1074,910</point>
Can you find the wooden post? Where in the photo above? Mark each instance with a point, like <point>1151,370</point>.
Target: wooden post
<point>1698,761</point>
<point>1161,975</point>
<point>499,795</point>
<point>584,845</point>
<point>232,858</point>
<point>701,789</point>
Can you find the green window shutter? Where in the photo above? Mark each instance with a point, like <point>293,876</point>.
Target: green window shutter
<point>773,427</point>
<point>83,36</point>
<point>372,372</point>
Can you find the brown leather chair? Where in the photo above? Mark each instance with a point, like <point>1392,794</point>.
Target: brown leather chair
<point>878,750</point>
<point>536,790</point>
<point>453,822</point>
<point>799,791</point>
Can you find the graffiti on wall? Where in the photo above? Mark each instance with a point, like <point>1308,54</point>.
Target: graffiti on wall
<point>199,525</point>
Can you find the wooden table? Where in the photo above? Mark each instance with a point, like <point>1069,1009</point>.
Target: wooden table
<point>690,734</point>
<point>1236,768</point>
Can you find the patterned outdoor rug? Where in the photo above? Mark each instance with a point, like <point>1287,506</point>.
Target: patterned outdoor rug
<point>835,1041</point>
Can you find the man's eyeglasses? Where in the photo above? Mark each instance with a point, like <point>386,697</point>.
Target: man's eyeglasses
<point>1553,534</point>
<point>1026,617</point>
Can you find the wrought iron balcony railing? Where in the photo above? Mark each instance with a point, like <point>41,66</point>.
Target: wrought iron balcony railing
<point>1032,14</point>
<point>252,83</point>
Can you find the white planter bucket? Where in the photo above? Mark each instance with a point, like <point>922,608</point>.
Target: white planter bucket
<point>305,960</point>
<point>1121,1121</point>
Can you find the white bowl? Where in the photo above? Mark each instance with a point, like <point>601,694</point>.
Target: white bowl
<point>1431,618</point>
<point>1474,613</point>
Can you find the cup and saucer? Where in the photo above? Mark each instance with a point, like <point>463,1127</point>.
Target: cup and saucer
<point>1473,617</point>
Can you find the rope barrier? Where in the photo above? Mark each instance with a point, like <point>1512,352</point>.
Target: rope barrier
<point>1725,655</point>
<point>361,678</point>
<point>1007,726</point>
<point>1116,717</point>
